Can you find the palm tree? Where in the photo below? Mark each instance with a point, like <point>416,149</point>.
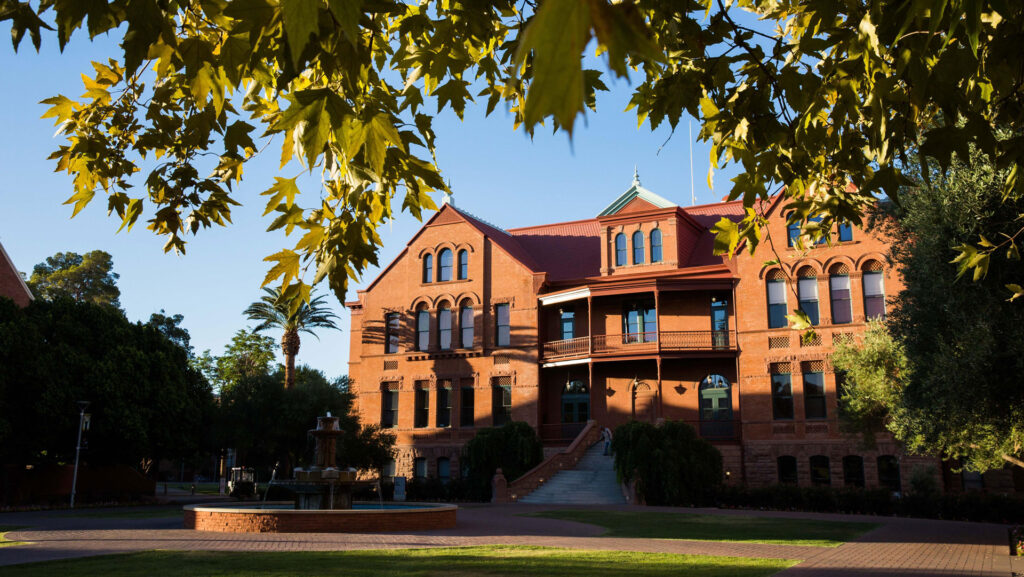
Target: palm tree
<point>272,312</point>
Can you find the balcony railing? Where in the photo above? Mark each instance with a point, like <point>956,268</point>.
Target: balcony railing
<point>640,343</point>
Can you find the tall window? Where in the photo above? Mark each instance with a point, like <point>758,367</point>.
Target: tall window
<point>874,292</point>
<point>463,264</point>
<point>638,247</point>
<point>444,264</point>
<point>814,395</point>
<point>845,232</point>
<point>715,399</point>
<point>792,233</point>
<point>466,324</point>
<point>620,249</point>
<point>392,324</point>
<point>422,409</point>
<point>389,469</point>
<point>776,302</point>
<point>787,469</point>
<point>444,404</point>
<point>444,470</point>
<point>820,473</point>
<point>388,408</point>
<point>853,471</point>
<point>444,327</point>
<point>656,245</point>
<point>419,468</point>
<point>568,323</point>
<point>782,393</point>
<point>503,325</point>
<point>839,288</point>
<point>422,328</point>
<point>501,400</point>
<point>889,473</point>
<point>639,322</point>
<point>428,268</point>
<point>466,404</point>
<point>807,289</point>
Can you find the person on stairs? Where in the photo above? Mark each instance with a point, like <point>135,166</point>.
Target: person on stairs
<point>606,436</point>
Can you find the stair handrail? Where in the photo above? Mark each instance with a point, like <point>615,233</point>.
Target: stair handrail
<point>567,458</point>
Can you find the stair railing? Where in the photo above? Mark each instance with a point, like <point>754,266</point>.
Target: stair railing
<point>567,458</point>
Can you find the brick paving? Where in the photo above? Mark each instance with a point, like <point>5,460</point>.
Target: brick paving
<point>911,547</point>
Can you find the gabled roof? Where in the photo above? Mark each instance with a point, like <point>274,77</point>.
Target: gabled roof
<point>11,283</point>
<point>636,191</point>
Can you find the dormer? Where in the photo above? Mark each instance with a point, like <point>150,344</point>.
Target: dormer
<point>643,232</point>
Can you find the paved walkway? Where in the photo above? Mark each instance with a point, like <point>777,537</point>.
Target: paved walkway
<point>899,547</point>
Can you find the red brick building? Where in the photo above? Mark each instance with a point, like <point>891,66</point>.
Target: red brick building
<point>11,284</point>
<point>628,315</point>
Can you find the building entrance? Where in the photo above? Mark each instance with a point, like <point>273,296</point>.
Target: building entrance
<point>575,408</point>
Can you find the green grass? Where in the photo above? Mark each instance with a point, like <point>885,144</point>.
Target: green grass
<point>4,542</point>
<point>447,562</point>
<point>771,530</point>
<point>160,513</point>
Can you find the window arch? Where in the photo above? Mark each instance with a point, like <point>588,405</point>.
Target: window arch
<point>463,272</point>
<point>776,286</point>
<point>466,324</point>
<point>807,291</point>
<point>715,398</point>
<point>444,326</point>
<point>656,245</point>
<point>839,289</point>
<point>444,265</point>
<point>620,249</point>
<point>428,268</point>
<point>874,290</point>
<point>422,328</point>
<point>638,247</point>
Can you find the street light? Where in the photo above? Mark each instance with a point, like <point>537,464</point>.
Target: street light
<point>82,405</point>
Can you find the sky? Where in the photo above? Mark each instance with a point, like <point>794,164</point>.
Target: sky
<point>495,173</point>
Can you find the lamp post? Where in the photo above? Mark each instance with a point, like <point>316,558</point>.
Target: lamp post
<point>82,405</point>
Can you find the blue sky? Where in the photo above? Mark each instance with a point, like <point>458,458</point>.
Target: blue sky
<point>496,173</point>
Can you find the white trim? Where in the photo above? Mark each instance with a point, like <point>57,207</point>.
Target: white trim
<point>566,363</point>
<point>10,263</point>
<point>566,296</point>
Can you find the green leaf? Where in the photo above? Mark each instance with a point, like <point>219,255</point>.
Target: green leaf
<point>556,35</point>
<point>1016,290</point>
<point>287,267</point>
<point>300,22</point>
<point>284,189</point>
<point>727,237</point>
<point>799,321</point>
<point>347,13</point>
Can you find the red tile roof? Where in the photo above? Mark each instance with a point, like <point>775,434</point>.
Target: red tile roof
<point>564,250</point>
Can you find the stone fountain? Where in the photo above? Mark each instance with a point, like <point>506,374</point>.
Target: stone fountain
<point>323,485</point>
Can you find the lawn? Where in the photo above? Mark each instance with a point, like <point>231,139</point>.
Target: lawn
<point>772,530</point>
<point>133,513</point>
<point>4,542</point>
<point>446,562</point>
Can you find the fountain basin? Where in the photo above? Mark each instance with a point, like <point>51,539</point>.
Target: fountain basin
<point>282,517</point>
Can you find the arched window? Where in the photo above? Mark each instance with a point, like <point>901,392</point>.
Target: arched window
<point>463,264</point>
<point>444,265</point>
<point>422,328</point>
<point>874,291</point>
<point>444,469</point>
<point>787,469</point>
<point>656,245</point>
<point>820,473</point>
<point>638,247</point>
<point>853,471</point>
<point>620,249</point>
<point>792,233</point>
<point>466,324</point>
<point>807,289</point>
<point>845,232</point>
<point>444,326</point>
<point>776,284</point>
<point>428,268</point>
<point>839,288</point>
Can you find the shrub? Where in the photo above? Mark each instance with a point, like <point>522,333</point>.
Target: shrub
<point>515,448</point>
<point>670,464</point>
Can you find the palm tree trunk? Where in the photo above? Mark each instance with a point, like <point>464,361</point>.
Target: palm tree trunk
<point>290,348</point>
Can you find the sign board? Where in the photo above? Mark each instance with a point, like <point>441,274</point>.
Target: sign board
<point>399,489</point>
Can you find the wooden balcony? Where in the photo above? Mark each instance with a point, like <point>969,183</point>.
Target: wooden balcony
<point>639,343</point>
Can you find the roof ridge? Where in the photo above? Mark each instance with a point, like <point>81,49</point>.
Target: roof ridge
<point>475,217</point>
<point>549,225</point>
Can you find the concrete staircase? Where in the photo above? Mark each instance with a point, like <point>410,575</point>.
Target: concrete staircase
<point>592,482</point>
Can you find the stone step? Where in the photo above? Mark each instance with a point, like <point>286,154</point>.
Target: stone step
<point>591,482</point>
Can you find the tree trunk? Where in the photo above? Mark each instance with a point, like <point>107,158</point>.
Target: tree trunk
<point>290,348</point>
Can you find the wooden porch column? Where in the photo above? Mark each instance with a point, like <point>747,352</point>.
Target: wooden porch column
<point>657,321</point>
<point>590,326</point>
